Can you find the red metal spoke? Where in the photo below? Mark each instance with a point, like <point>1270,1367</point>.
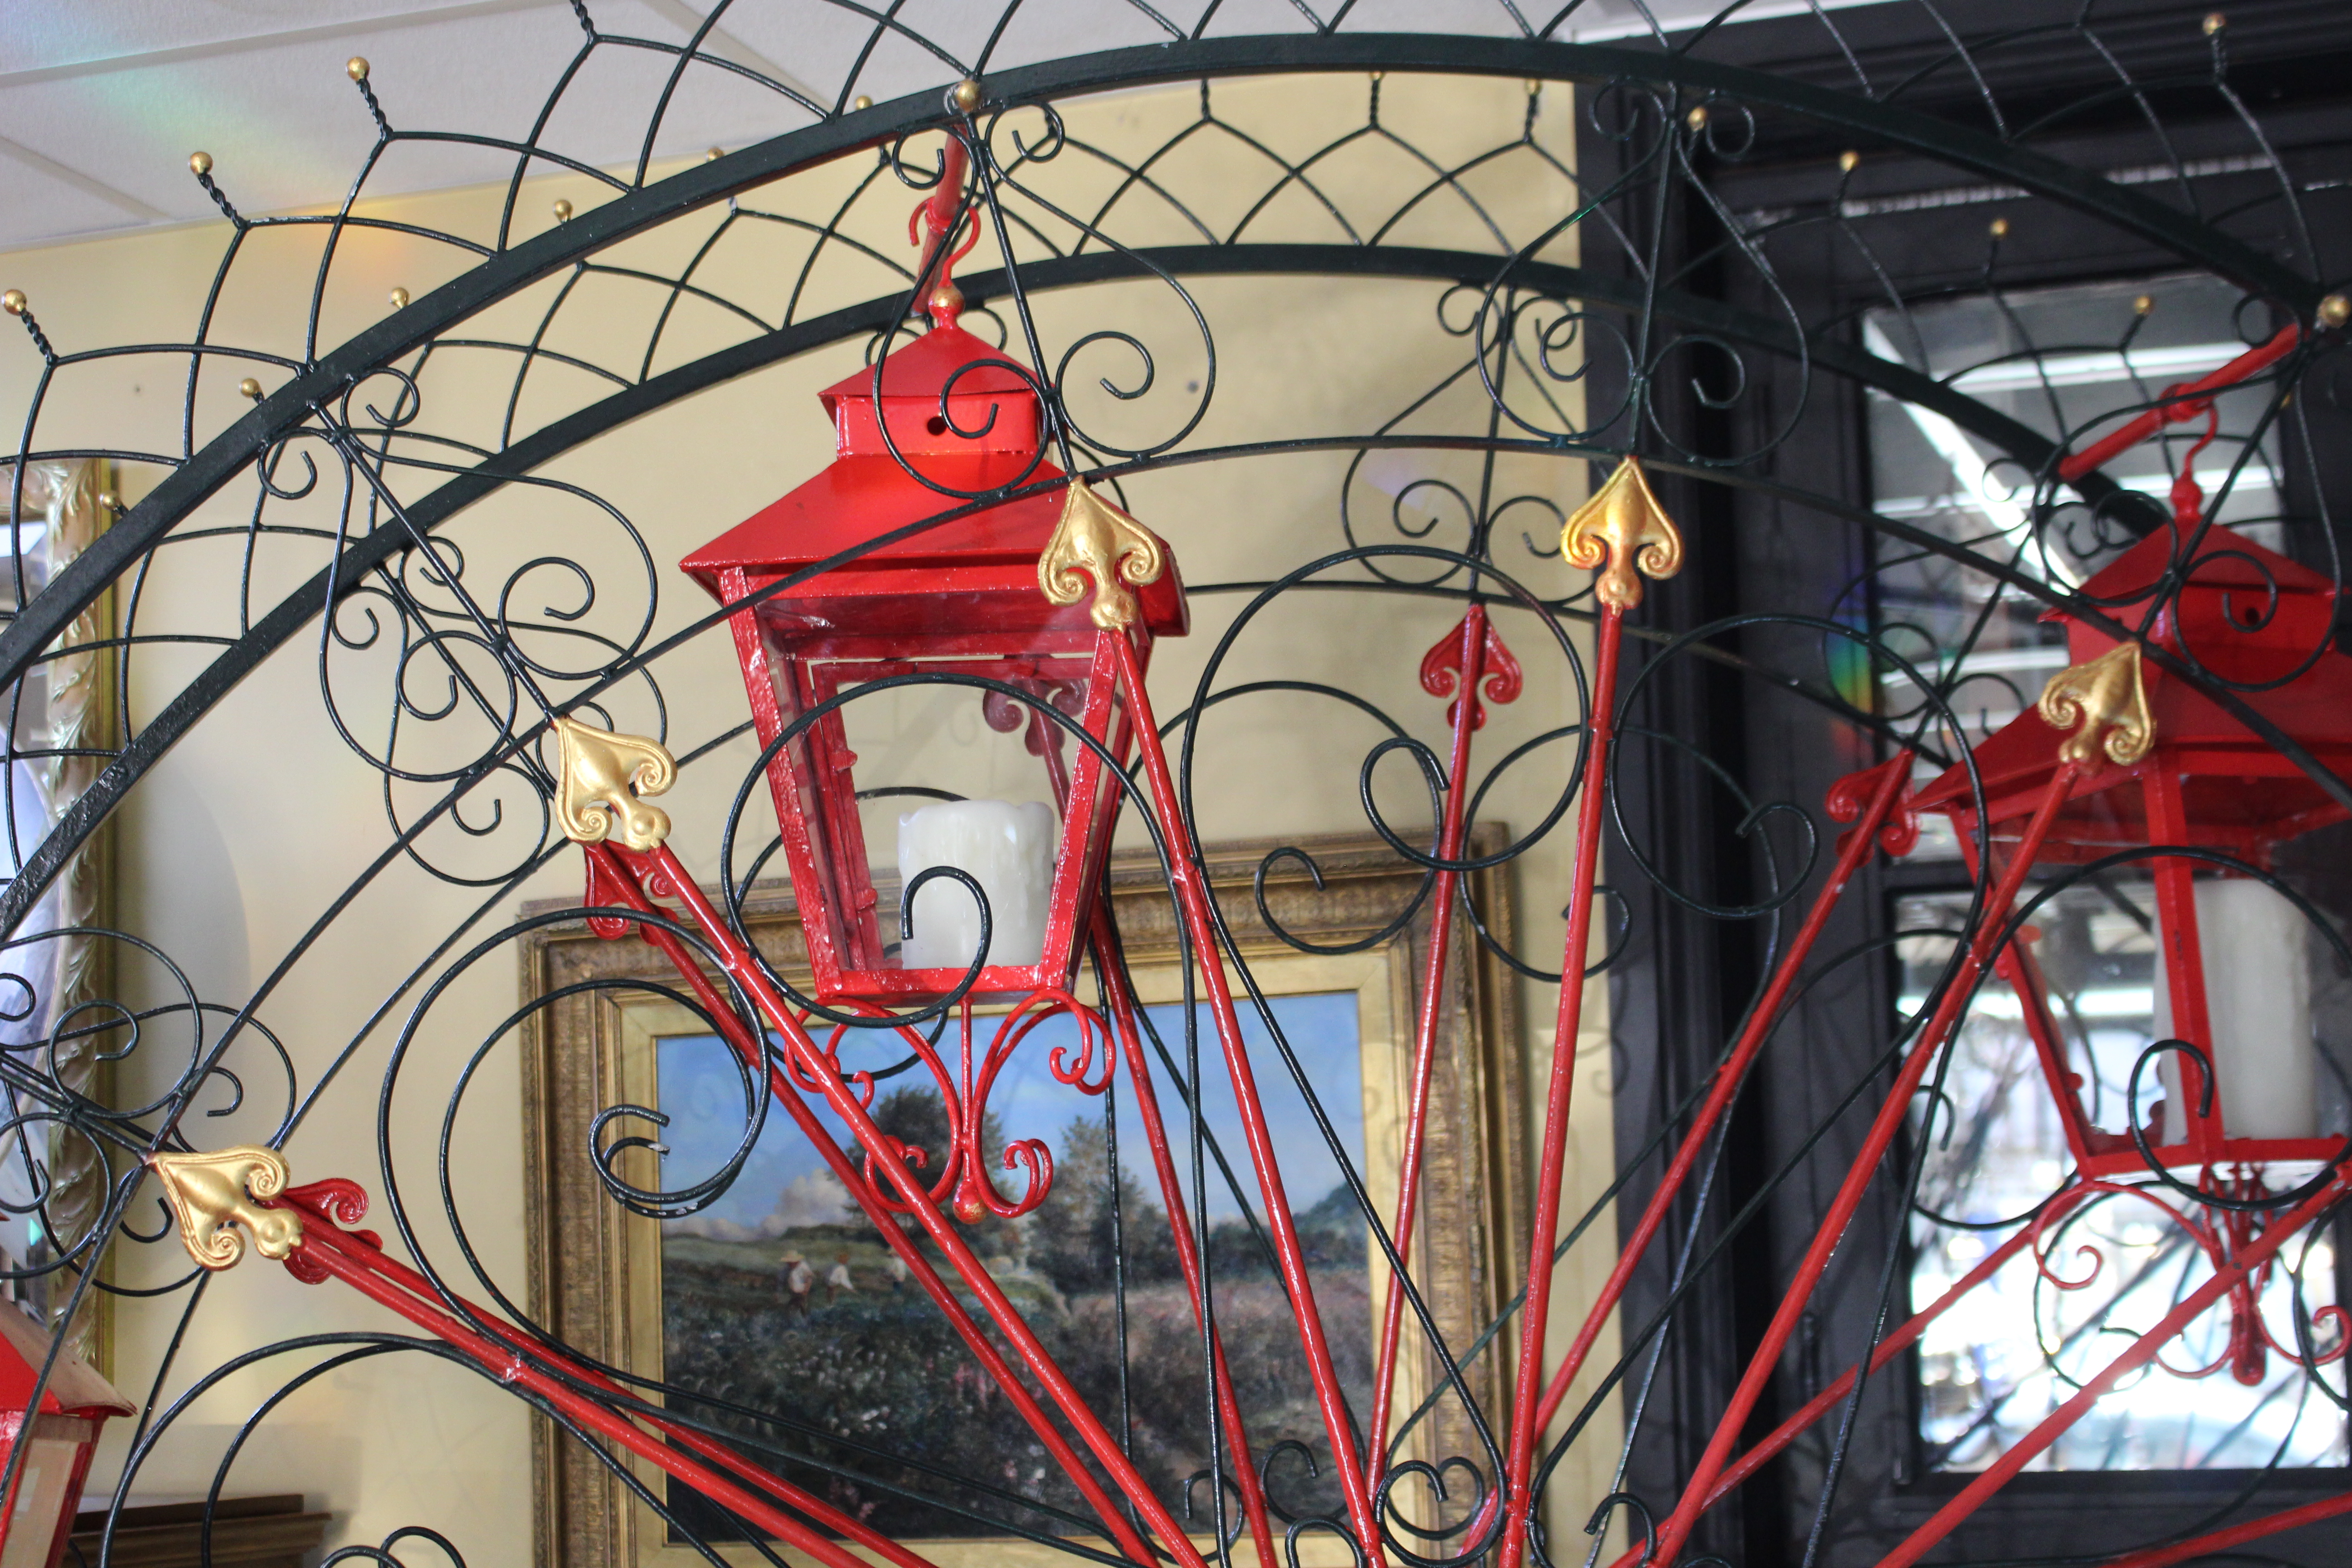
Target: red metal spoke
<point>671,877</point>
<point>1466,653</point>
<point>1890,781</point>
<point>1761,1365</point>
<point>1192,901</point>
<point>1518,1499</point>
<point>2224,1278</point>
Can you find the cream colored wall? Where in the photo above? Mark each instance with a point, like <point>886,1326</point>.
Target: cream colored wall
<point>237,840</point>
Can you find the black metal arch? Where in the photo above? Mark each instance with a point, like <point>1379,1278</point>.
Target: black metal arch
<point>509,271</point>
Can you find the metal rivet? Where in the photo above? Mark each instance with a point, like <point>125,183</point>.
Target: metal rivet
<point>2143,303</point>
<point>1849,161</point>
<point>400,299</point>
<point>249,387</point>
<point>356,68</point>
<point>863,100</point>
<point>200,163</point>
<point>562,210</point>
<point>712,154</point>
<point>12,302</point>
<point>965,94</point>
<point>2001,228</point>
<point>2334,310</point>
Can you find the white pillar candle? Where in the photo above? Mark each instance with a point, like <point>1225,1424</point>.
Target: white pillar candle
<point>1008,849</point>
<point>2254,945</point>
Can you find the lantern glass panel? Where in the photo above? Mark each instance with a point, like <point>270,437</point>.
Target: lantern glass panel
<point>902,777</point>
<point>43,1493</point>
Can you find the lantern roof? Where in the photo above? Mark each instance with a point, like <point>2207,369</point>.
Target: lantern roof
<point>967,425</point>
<point>75,1387</point>
<point>2248,615</point>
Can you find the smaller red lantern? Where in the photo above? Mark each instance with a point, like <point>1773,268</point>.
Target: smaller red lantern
<point>58,1439</point>
<point>2162,764</point>
<point>976,596</point>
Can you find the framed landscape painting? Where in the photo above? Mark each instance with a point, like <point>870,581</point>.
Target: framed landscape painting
<point>780,1306</point>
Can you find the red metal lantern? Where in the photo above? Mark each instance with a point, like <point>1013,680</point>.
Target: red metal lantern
<point>967,597</point>
<point>57,1438</point>
<point>2162,764</point>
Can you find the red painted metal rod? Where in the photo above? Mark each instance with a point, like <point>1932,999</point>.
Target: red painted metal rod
<point>1424,1041</point>
<point>842,1101</point>
<point>2181,403</point>
<point>1517,1498</point>
<point>344,1257</point>
<point>1180,1226</point>
<point>2148,1346</point>
<point>1761,1365</point>
<point>626,875</point>
<point>1192,900</point>
<point>698,1442</point>
<point>1894,1344</point>
<point>1853,853</point>
<point>319,1230</point>
<point>2237,1535</point>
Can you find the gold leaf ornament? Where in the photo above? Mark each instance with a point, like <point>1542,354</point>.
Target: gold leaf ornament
<point>1097,545</point>
<point>1623,533</point>
<point>212,1195</point>
<point>602,780</point>
<point>2104,702</point>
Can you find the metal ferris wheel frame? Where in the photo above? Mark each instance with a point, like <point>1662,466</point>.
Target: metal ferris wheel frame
<point>1679,86</point>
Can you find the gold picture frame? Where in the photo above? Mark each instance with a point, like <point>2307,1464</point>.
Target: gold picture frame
<point>594,1268</point>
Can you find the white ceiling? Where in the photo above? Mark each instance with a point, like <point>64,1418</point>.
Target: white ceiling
<point>102,100</point>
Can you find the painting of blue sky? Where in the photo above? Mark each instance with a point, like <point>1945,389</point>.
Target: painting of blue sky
<point>784,1185</point>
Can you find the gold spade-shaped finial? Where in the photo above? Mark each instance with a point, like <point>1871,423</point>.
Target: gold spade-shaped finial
<point>211,1194</point>
<point>1096,543</point>
<point>601,782</point>
<point>2105,702</point>
<point>1620,529</point>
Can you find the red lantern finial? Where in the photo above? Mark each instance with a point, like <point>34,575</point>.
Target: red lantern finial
<point>932,225</point>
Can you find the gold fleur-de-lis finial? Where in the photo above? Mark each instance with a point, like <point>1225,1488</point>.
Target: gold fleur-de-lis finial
<point>1095,543</point>
<point>2105,702</point>
<point>1620,529</point>
<point>601,782</point>
<point>211,1194</point>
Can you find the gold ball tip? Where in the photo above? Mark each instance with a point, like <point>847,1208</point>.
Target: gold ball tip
<point>1535,86</point>
<point>2001,228</point>
<point>12,302</point>
<point>2214,23</point>
<point>712,154</point>
<point>1378,76</point>
<point>356,68</point>
<point>863,100</point>
<point>2143,303</point>
<point>562,210</point>
<point>200,163</point>
<point>400,299</point>
<point>110,501</point>
<point>1696,117</point>
<point>966,94</point>
<point>2334,310</point>
<point>249,387</point>
<point>1849,161</point>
